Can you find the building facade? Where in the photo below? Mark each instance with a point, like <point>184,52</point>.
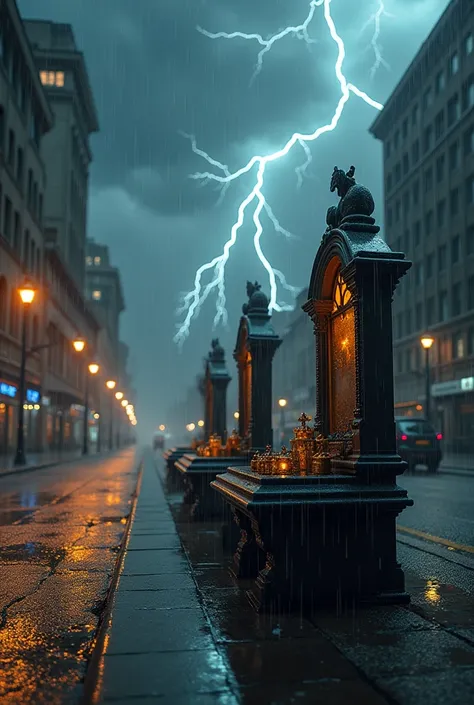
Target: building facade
<point>66,149</point>
<point>25,119</point>
<point>427,130</point>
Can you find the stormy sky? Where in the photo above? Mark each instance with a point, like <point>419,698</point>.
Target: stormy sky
<point>154,75</point>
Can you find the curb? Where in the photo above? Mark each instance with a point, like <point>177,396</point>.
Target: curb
<point>93,672</point>
<point>55,463</point>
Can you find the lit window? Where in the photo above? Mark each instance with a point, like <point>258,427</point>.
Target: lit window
<point>52,78</point>
<point>97,295</point>
<point>88,261</point>
<point>97,261</point>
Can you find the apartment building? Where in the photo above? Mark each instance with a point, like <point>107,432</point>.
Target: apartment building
<point>25,119</point>
<point>427,131</point>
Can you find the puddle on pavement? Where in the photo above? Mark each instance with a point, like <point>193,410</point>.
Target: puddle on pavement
<point>111,520</point>
<point>31,500</point>
<point>32,551</point>
<point>10,517</point>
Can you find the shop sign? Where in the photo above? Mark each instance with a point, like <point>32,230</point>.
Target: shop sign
<point>8,389</point>
<point>457,386</point>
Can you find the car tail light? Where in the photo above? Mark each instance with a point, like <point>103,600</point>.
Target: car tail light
<point>404,437</point>
<point>439,436</point>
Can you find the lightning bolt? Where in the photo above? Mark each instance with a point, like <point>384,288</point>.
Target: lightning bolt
<point>223,177</point>
<point>375,20</point>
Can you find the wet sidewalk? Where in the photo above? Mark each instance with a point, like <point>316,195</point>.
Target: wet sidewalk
<point>37,461</point>
<point>183,632</point>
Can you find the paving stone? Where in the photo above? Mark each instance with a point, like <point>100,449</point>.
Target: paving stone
<point>141,631</point>
<point>154,542</point>
<point>186,598</point>
<point>155,561</point>
<point>446,687</point>
<point>164,675</point>
<point>162,581</point>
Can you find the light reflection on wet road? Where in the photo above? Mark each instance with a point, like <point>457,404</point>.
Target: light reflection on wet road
<point>60,529</point>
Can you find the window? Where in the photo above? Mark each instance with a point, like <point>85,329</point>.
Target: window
<point>455,249</point>
<point>398,172</point>
<point>406,203</point>
<point>416,233</point>
<point>468,93</point>
<point>406,164</point>
<point>429,223</point>
<point>456,303</point>
<point>470,240</point>
<point>414,115</point>
<point>454,110</point>
<point>470,189</point>
<point>11,148</point>
<point>427,139</point>
<point>439,125</point>
<point>442,258</point>
<point>429,265</point>
<point>408,326</point>
<point>430,311</point>
<point>7,218</point>
<point>418,316</point>
<point>440,212</point>
<point>440,168</point>
<point>454,64</point>
<point>428,179</point>
<point>443,306</point>
<point>405,128</point>
<point>457,346</point>
<point>440,82</point>
<point>52,78</point>
<point>469,141</point>
<point>96,295</point>
<point>428,98</point>
<point>419,274</point>
<point>454,201</point>
<point>454,156</point>
<point>415,151</point>
<point>19,166</point>
<point>468,44</point>
<point>26,250</point>
<point>470,293</point>
<point>97,261</point>
<point>17,232</point>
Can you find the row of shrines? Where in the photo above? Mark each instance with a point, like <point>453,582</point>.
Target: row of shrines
<point>316,521</point>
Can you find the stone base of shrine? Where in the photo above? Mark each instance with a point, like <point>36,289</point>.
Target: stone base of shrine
<point>309,541</point>
<point>197,473</point>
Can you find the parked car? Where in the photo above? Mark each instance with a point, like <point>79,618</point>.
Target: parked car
<point>418,443</point>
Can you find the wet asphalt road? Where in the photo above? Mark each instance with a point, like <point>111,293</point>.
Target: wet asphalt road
<point>60,529</point>
<point>443,505</point>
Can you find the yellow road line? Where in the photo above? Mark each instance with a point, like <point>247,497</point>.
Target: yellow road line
<point>435,539</point>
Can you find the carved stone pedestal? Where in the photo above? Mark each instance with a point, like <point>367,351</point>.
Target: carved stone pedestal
<point>320,540</point>
<point>197,473</point>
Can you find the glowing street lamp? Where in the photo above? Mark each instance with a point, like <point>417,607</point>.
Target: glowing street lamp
<point>124,403</point>
<point>162,427</point>
<point>236,415</point>
<point>426,343</point>
<point>119,396</point>
<point>111,384</point>
<point>282,402</point>
<point>79,344</point>
<point>200,423</point>
<point>27,293</point>
<point>94,368</point>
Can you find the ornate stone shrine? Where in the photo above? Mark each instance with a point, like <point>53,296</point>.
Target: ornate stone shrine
<point>255,347</point>
<point>318,521</point>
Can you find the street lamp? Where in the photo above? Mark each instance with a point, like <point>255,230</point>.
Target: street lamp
<point>27,294</point>
<point>236,415</point>
<point>124,403</point>
<point>119,396</point>
<point>282,402</point>
<point>79,344</point>
<point>427,342</point>
<point>111,384</point>
<point>191,427</point>
<point>93,369</point>
<point>162,427</point>
<point>200,423</point>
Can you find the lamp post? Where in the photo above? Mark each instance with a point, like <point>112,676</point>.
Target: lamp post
<point>111,384</point>
<point>282,404</point>
<point>426,342</point>
<point>119,397</point>
<point>27,294</point>
<point>93,368</point>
